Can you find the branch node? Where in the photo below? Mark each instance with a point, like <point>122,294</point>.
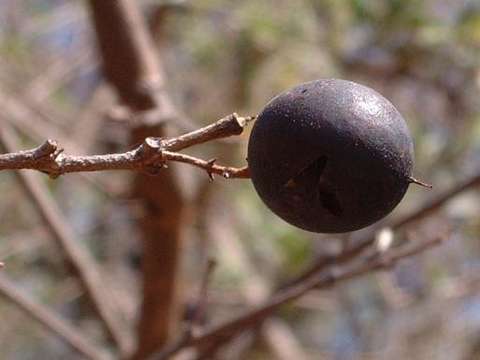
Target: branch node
<point>48,148</point>
<point>210,164</point>
<point>151,153</point>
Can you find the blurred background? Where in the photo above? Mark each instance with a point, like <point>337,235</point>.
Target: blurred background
<point>221,57</point>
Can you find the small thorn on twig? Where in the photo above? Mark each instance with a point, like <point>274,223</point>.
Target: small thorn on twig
<point>412,180</point>
<point>210,164</point>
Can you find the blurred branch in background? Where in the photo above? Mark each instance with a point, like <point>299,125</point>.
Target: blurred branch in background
<point>83,265</point>
<point>193,322</point>
<point>278,335</point>
<point>323,279</point>
<point>33,124</point>
<point>365,241</point>
<point>49,319</point>
<point>132,66</point>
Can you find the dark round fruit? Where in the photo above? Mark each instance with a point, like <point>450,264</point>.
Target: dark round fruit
<point>330,156</point>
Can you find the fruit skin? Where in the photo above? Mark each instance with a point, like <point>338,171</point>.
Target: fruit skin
<point>330,156</point>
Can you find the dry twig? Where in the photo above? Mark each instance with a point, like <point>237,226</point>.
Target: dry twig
<point>324,279</point>
<point>43,315</point>
<point>406,220</point>
<point>132,66</point>
<point>79,259</point>
<point>368,239</point>
<point>194,319</point>
<point>151,156</point>
<point>279,338</point>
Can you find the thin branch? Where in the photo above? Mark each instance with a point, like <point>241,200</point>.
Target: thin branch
<point>277,335</point>
<point>202,300</point>
<point>132,66</point>
<point>82,264</point>
<point>321,280</point>
<point>228,126</point>
<point>47,318</point>
<point>32,123</point>
<point>408,219</point>
<point>150,156</point>
<point>209,166</point>
<point>195,318</point>
<point>352,252</point>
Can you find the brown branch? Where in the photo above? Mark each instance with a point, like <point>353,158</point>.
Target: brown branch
<point>209,166</point>
<point>132,66</point>
<point>195,318</point>
<point>33,125</point>
<point>43,315</point>
<point>277,335</point>
<point>406,220</point>
<point>321,280</point>
<point>16,111</point>
<point>228,126</point>
<point>82,264</point>
<point>128,54</point>
<point>324,263</point>
<point>368,239</point>
<point>150,156</point>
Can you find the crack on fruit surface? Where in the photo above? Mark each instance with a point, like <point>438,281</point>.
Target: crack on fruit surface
<point>330,202</point>
<point>310,179</point>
